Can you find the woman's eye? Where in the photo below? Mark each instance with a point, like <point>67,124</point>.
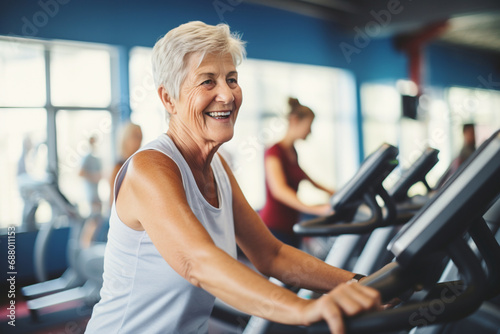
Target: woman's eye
<point>207,82</point>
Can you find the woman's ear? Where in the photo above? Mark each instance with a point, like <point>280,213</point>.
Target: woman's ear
<point>167,101</point>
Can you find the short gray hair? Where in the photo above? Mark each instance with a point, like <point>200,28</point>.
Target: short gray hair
<point>170,53</point>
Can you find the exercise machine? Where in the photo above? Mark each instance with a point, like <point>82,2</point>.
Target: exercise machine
<point>435,235</point>
<point>374,254</point>
<point>82,280</point>
<point>63,214</point>
<point>400,206</point>
<point>486,319</point>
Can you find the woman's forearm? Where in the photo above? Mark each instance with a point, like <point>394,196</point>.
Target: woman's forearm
<point>297,268</point>
<point>289,197</point>
<point>245,289</point>
<point>283,192</point>
<point>252,293</point>
<point>320,186</point>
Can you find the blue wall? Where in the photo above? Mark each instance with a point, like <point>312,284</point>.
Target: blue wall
<point>270,33</point>
<point>454,66</point>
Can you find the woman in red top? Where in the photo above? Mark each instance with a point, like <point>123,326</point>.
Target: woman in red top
<point>283,175</point>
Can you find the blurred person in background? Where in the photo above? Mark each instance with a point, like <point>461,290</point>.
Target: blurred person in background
<point>283,207</point>
<point>130,141</point>
<point>468,147</point>
<point>91,172</point>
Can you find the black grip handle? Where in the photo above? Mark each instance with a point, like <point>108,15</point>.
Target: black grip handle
<point>438,307</point>
<point>408,316</point>
<point>328,226</point>
<point>336,224</point>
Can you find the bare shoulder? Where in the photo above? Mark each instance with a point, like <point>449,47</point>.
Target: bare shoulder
<point>153,172</point>
<point>151,162</point>
<point>151,176</point>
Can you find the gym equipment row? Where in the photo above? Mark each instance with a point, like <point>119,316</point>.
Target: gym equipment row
<point>438,233</point>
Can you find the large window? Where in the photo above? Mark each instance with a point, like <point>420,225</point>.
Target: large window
<point>380,105</point>
<point>329,155</point>
<point>53,97</point>
<point>23,149</point>
<point>147,110</point>
<point>74,128</point>
<point>441,115</point>
<point>383,123</point>
<point>473,105</point>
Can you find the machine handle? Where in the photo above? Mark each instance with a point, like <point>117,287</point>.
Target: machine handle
<point>392,279</point>
<point>337,224</point>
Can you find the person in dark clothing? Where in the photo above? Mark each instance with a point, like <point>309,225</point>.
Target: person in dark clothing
<point>466,151</point>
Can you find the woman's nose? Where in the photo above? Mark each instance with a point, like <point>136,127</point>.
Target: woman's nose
<point>224,94</point>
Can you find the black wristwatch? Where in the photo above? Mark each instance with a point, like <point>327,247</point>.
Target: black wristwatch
<point>356,278</point>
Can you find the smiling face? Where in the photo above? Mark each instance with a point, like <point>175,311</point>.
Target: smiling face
<point>209,99</point>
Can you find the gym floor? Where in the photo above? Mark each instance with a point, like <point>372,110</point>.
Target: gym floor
<point>61,319</point>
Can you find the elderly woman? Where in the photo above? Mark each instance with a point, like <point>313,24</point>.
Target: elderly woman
<point>178,213</point>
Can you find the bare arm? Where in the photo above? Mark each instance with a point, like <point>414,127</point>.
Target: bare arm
<point>276,180</point>
<point>274,258</point>
<point>320,186</point>
<point>152,198</point>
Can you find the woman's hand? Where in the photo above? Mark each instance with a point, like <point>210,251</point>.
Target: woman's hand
<point>322,209</point>
<point>346,299</point>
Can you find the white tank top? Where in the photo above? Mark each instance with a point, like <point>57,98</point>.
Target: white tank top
<point>141,292</point>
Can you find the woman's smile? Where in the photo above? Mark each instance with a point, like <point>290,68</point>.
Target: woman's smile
<point>219,114</point>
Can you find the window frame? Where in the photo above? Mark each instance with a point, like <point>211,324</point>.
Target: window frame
<point>114,107</point>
